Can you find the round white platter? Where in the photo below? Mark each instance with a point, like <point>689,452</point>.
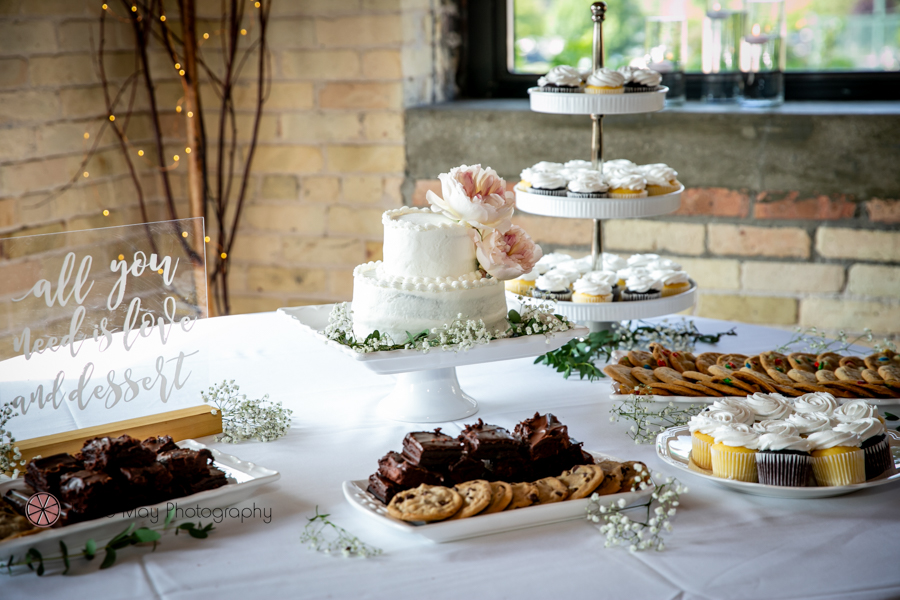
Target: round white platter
<point>674,445</point>
<point>618,311</point>
<point>427,389</point>
<point>597,208</point>
<point>581,103</point>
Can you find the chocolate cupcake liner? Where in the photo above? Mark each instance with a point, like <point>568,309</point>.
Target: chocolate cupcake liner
<point>586,194</point>
<point>700,453</point>
<point>545,295</point>
<point>791,470</point>
<point>561,89</point>
<point>634,296</point>
<point>740,466</point>
<point>559,192</point>
<point>640,89</point>
<point>840,469</point>
<point>878,459</point>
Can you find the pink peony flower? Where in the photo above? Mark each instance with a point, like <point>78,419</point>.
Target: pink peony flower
<point>475,196</point>
<point>507,255</point>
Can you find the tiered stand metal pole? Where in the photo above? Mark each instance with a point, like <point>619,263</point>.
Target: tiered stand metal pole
<point>598,13</point>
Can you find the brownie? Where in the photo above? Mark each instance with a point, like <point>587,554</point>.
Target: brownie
<point>489,442</point>
<point>43,474</point>
<point>398,469</point>
<point>465,469</point>
<point>151,477</point>
<point>160,444</point>
<point>543,435</point>
<point>382,488</point>
<point>106,453</point>
<point>184,463</point>
<point>511,470</point>
<point>215,478</point>
<point>89,493</point>
<point>431,449</point>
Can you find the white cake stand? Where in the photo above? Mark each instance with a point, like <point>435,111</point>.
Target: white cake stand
<point>427,389</point>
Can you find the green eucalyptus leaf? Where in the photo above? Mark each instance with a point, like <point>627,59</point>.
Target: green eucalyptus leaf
<point>90,549</point>
<point>65,556</point>
<point>514,316</point>
<point>169,516</point>
<point>108,560</point>
<point>890,417</point>
<point>144,535</point>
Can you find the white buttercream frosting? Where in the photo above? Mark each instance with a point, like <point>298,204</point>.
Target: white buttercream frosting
<point>552,282</point>
<point>547,167</point>
<point>736,435</point>
<point>711,419</point>
<point>627,181</point>
<point>664,264</point>
<point>865,428</point>
<point>769,406</point>
<point>602,276</point>
<point>543,180</point>
<point>579,165</point>
<point>671,277</point>
<point>646,77</point>
<point>776,426</point>
<point>548,261</point>
<point>807,423</point>
<point>422,243</point>
<point>778,440</point>
<point>561,75</point>
<point>608,78</point>
<point>627,71</point>
<point>642,260</point>
<point>588,185</point>
<point>737,407</point>
<point>618,165</point>
<point>592,288</point>
<point>530,276</point>
<point>658,173</point>
<point>822,440</point>
<point>613,262</point>
<point>816,402</point>
<point>641,283</point>
<point>853,411</point>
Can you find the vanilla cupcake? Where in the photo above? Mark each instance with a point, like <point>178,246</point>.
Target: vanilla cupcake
<point>590,291</point>
<point>607,277</point>
<point>525,178</point>
<point>548,184</point>
<point>873,442</point>
<point>837,458</point>
<point>783,458</point>
<point>641,286</point>
<point>613,262</point>
<point>855,410</point>
<point>627,185</point>
<point>643,80</point>
<point>702,426</point>
<point>561,79</point>
<point>816,402</point>
<point>522,284</point>
<point>807,423</point>
<point>769,406</point>
<point>674,282</point>
<point>605,81</point>
<point>735,406</point>
<point>734,451</point>
<point>587,185</point>
<point>661,179</point>
<point>549,261</point>
<point>552,286</point>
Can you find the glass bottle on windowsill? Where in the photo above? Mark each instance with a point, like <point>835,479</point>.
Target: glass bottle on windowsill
<point>763,54</point>
<point>722,28</point>
<point>665,47</point>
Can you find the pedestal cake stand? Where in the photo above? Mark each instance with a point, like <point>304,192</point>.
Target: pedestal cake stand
<point>600,315</point>
<point>427,389</point>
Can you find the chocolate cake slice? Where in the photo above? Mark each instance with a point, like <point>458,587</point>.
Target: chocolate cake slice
<point>489,442</point>
<point>543,435</point>
<point>429,449</point>
<point>382,488</point>
<point>43,474</point>
<point>106,453</point>
<point>397,468</point>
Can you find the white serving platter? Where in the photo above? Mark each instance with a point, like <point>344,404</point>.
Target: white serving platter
<point>460,529</point>
<point>620,311</point>
<point>674,446</point>
<point>247,476</point>
<point>597,208</point>
<point>581,103</point>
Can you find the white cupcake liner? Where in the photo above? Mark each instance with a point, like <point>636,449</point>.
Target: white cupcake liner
<point>840,469</point>
<point>740,466</point>
<point>700,453</point>
<point>643,194</point>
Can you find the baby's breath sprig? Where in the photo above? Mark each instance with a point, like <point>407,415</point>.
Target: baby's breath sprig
<point>647,420</point>
<point>10,456</point>
<point>622,530</point>
<point>461,333</point>
<point>344,543</point>
<point>244,419</point>
<point>816,341</point>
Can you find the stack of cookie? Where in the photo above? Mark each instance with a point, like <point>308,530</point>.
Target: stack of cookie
<point>662,372</point>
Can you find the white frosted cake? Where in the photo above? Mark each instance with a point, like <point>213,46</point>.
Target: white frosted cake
<point>429,275</point>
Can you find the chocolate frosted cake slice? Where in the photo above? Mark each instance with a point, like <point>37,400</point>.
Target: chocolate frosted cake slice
<point>382,488</point>
<point>543,435</point>
<point>43,474</point>
<point>429,449</point>
<point>489,442</point>
<point>101,454</point>
<point>397,468</point>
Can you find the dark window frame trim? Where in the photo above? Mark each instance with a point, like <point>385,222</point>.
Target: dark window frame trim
<point>483,69</point>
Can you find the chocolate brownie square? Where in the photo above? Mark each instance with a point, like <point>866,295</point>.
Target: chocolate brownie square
<point>382,488</point>
<point>429,449</point>
<point>511,470</point>
<point>101,454</point>
<point>160,444</point>
<point>466,469</point>
<point>89,493</point>
<point>489,442</point>
<point>43,474</point>
<point>543,435</point>
<point>215,478</point>
<point>184,463</point>
<point>397,468</point>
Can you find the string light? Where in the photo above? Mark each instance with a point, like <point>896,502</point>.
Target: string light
<point>112,117</point>
<point>86,174</point>
<point>121,257</point>
<point>256,4</point>
<point>134,9</point>
<point>190,113</point>
<point>177,158</point>
<point>178,109</point>
<point>181,72</point>
<point>243,32</point>
<point>160,271</point>
<point>187,150</point>
<point>140,152</point>
<point>104,7</point>
<point>87,136</point>
<point>177,66</point>
<point>105,213</point>
<point>224,256</point>
<point>205,36</point>
<point>184,234</point>
<point>163,18</point>
<point>206,239</point>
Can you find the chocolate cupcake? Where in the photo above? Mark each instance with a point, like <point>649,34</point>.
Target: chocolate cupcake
<point>783,458</point>
<point>548,184</point>
<point>643,80</point>
<point>641,286</point>
<point>561,79</point>
<point>873,442</point>
<point>552,286</point>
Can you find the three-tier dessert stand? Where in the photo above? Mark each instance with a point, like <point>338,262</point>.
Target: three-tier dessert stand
<point>599,316</point>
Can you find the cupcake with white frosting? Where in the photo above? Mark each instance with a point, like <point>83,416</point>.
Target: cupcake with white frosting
<point>674,282</point>
<point>613,262</point>
<point>873,442</point>
<point>643,80</point>
<point>734,452</point>
<point>523,284</point>
<point>737,407</point>
<point>605,81</point>
<point>783,458</point>
<point>641,286</point>
<point>619,164</point>
<point>702,427</point>
<point>837,458</point>
<point>586,184</point>
<point>561,79</point>
<point>769,406</point>
<point>548,184</point>
<point>590,291</point>
<point>661,179</point>
<point>807,423</point>
<point>627,185</point>
<point>549,261</point>
<point>855,410</point>
<point>579,165</point>
<point>552,286</point>
<point>816,402</point>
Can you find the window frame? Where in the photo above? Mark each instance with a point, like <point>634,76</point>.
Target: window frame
<point>483,73</point>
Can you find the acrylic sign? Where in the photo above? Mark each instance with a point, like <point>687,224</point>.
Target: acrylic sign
<point>102,325</point>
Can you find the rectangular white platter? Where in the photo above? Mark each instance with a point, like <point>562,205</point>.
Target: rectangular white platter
<point>248,478</point>
<point>479,525</point>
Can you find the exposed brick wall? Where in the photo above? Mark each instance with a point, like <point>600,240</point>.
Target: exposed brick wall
<point>330,157</point>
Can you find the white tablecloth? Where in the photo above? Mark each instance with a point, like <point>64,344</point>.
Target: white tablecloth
<point>724,545</point>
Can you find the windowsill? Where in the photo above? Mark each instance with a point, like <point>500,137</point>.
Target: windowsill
<point>788,108</point>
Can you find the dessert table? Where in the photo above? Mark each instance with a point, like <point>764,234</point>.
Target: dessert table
<point>724,544</point>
